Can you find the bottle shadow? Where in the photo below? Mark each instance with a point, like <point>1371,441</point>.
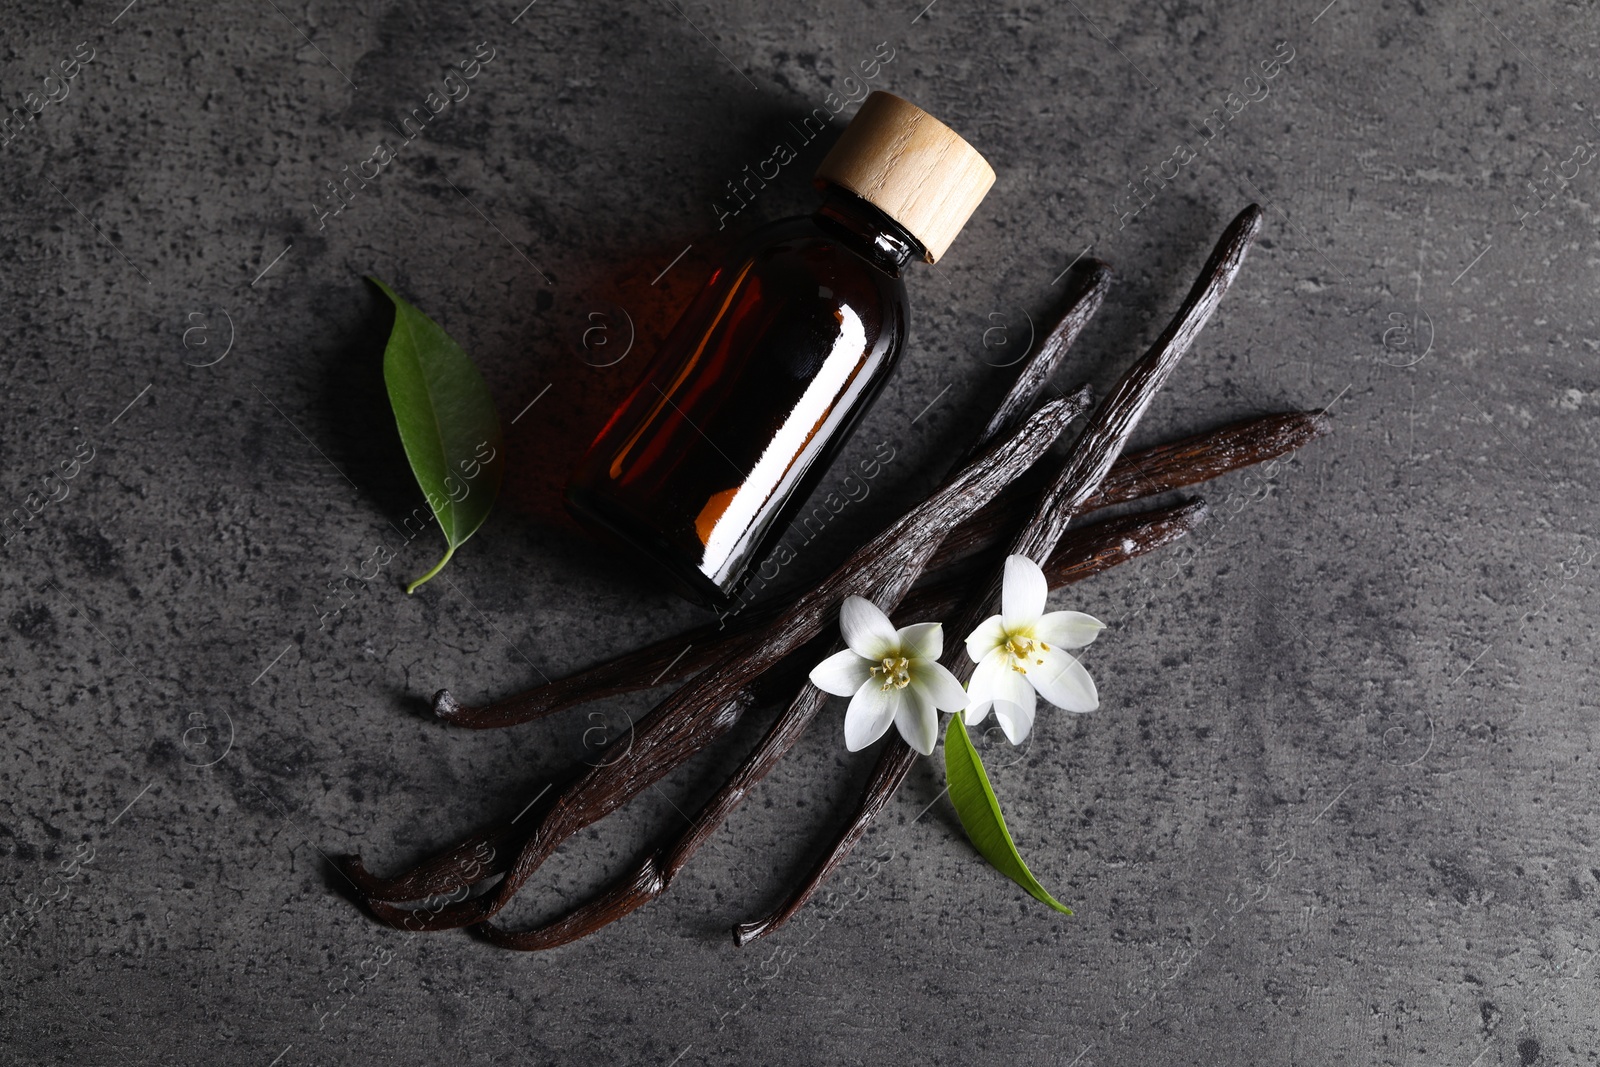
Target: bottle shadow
<point>593,341</point>
<point>585,341</point>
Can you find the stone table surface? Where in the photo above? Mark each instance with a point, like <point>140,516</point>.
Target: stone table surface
<point>1337,805</point>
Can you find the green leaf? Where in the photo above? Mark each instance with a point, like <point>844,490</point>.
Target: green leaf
<point>980,813</point>
<point>447,423</point>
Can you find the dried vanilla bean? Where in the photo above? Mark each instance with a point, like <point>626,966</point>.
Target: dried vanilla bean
<point>884,568</point>
<point>1145,473</point>
<point>669,660</point>
<point>444,873</point>
<point>1076,554</point>
<point>666,661</point>
<point>712,702</point>
<point>1082,553</point>
<point>652,878</point>
<point>1116,416</point>
<point>1090,290</point>
<point>1091,459</point>
<point>489,851</point>
<point>1148,472</point>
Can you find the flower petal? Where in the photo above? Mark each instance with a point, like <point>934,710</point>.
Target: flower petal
<point>1023,592</point>
<point>981,689</point>
<point>841,673</point>
<point>871,711</point>
<point>941,688</point>
<point>1014,702</point>
<point>917,720</point>
<point>1067,629</point>
<point>922,640</point>
<point>1061,680</point>
<point>1016,720</point>
<point>1007,691</point>
<point>990,635</point>
<point>866,629</point>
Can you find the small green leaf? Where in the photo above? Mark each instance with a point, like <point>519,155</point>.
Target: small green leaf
<point>980,813</point>
<point>447,423</point>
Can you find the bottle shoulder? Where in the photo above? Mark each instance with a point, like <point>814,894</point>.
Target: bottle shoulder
<point>800,244</point>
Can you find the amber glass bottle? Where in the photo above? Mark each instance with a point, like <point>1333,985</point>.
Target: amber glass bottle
<point>767,373</point>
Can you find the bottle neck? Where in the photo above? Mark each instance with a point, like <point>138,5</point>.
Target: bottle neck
<point>867,230</point>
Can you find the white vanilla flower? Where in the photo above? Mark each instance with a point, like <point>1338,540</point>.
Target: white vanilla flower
<point>1021,652</point>
<point>890,676</point>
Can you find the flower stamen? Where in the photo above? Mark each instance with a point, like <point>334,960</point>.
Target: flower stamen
<point>1020,648</point>
<point>895,672</point>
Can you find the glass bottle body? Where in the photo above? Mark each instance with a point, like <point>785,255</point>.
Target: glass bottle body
<point>751,396</point>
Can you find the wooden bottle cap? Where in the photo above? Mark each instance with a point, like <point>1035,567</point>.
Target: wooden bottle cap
<point>910,166</point>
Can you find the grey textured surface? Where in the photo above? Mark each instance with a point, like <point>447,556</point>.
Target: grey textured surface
<point>1337,805</point>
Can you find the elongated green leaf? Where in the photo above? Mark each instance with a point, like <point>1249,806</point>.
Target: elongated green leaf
<point>980,813</point>
<point>447,423</point>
